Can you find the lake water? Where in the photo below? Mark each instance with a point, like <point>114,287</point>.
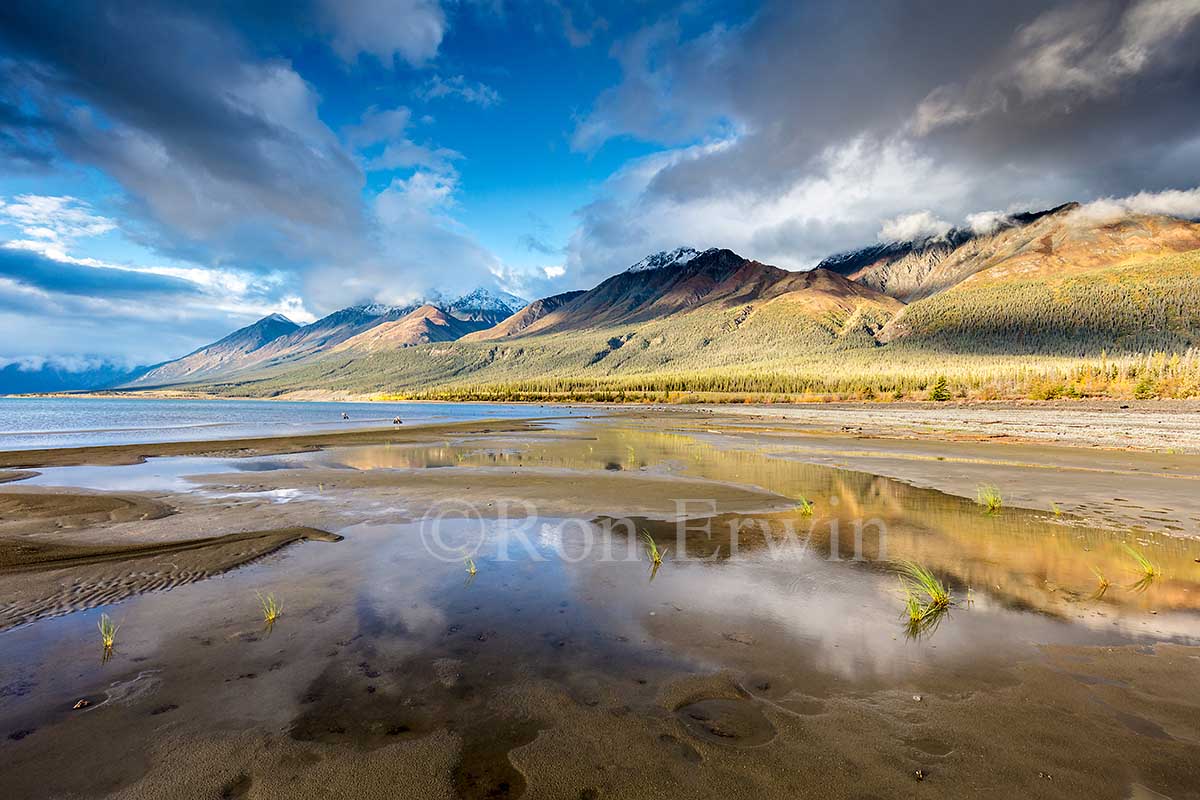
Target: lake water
<point>37,422</point>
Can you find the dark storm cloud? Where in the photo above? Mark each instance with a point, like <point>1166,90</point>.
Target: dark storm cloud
<point>983,105</point>
<point>983,80</point>
<point>207,140</point>
<point>35,271</point>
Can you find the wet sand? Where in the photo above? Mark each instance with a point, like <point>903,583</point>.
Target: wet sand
<point>738,668</point>
<point>1154,491</point>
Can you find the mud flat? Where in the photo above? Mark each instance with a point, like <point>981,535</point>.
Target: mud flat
<point>766,656</point>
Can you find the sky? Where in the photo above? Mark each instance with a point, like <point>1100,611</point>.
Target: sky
<point>170,171</point>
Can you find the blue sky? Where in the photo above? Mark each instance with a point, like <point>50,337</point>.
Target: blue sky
<point>171,171</point>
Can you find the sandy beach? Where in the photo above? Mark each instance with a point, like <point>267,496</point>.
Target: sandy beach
<point>738,665</point>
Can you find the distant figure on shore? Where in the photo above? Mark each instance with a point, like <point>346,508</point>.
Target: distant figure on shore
<point>397,421</point>
<point>345,415</point>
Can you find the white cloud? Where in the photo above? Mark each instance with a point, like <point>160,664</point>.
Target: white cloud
<point>479,94</point>
<point>419,248</point>
<point>212,301</point>
<point>411,30</point>
<point>384,133</point>
<point>65,363</point>
<point>917,226</point>
<point>839,203</point>
<point>56,219</point>
<point>1184,204</point>
<point>555,271</point>
<point>985,222</point>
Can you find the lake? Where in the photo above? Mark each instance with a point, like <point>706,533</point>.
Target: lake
<point>37,422</point>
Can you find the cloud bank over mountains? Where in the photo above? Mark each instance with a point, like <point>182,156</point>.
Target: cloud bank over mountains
<point>799,132</point>
<point>168,168</point>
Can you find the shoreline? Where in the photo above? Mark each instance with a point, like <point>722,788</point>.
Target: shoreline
<point>125,454</point>
<point>1145,425</point>
<point>682,400</point>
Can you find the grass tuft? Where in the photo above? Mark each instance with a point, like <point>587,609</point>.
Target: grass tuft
<point>1102,584</point>
<point>989,497</point>
<point>656,556</point>
<point>921,581</point>
<point>471,570</point>
<point>926,598</point>
<point>1148,571</point>
<point>108,631</point>
<point>913,609</point>
<point>805,506</point>
<point>271,608</point>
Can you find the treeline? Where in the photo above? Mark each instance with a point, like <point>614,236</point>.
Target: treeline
<point>1154,375</point>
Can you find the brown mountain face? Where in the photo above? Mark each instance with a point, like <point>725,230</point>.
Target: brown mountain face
<point>1066,284</point>
<point>714,279</point>
<point>270,343</point>
<point>1063,238</point>
<point>325,333</point>
<point>521,320</point>
<point>632,297</point>
<point>915,269</point>
<point>426,324</point>
<point>220,356</point>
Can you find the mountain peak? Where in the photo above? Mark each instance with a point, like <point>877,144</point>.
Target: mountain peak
<point>665,258</point>
<point>484,299</point>
<point>277,318</point>
<point>378,309</point>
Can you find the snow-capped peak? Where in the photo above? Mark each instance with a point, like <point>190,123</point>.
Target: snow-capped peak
<point>665,258</point>
<point>377,309</point>
<point>483,299</point>
<point>277,318</point>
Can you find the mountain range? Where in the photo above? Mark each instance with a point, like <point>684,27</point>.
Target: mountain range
<point>1058,284</point>
<point>275,340</point>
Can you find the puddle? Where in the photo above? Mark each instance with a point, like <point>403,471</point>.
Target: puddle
<point>729,723</point>
<point>167,474</point>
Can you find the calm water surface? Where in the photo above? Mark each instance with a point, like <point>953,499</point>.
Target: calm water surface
<point>37,422</point>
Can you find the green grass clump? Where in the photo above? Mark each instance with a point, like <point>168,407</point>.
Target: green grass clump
<point>926,598</point>
<point>921,581</point>
<point>471,570</point>
<point>271,608</point>
<point>1148,571</point>
<point>656,556</point>
<point>990,498</point>
<point>805,507</point>
<point>108,631</point>
<point>914,610</point>
<point>1102,584</point>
